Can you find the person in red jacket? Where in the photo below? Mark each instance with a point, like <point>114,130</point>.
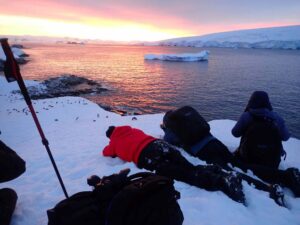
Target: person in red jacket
<point>133,145</point>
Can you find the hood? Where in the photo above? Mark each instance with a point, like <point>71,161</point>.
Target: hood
<point>259,99</point>
<point>121,131</point>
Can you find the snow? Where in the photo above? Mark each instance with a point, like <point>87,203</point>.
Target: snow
<point>75,128</point>
<point>185,57</point>
<point>16,51</point>
<point>271,38</point>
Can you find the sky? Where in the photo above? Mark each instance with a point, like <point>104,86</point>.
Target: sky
<point>141,20</point>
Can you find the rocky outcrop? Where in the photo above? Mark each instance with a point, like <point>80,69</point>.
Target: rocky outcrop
<point>19,55</point>
<point>65,85</point>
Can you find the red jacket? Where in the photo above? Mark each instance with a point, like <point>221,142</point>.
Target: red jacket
<point>127,143</point>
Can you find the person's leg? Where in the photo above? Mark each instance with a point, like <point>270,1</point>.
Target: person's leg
<point>167,161</point>
<point>289,178</point>
<point>218,154</point>
<point>8,200</point>
<point>268,174</point>
<point>215,152</point>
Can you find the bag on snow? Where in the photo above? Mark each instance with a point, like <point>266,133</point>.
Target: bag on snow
<point>11,164</point>
<point>187,124</point>
<point>261,144</point>
<point>119,199</point>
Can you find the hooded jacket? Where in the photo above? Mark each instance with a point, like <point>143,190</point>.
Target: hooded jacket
<point>259,106</point>
<point>127,143</point>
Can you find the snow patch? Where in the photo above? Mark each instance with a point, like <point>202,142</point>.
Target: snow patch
<point>75,129</point>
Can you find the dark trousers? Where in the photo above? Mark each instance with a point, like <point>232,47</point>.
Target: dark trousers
<point>166,160</point>
<point>215,152</point>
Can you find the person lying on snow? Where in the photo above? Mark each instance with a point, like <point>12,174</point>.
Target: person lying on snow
<point>133,145</point>
<point>186,128</point>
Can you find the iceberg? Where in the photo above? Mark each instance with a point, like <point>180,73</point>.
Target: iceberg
<point>184,57</point>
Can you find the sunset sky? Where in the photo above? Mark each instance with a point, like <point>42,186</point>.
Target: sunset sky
<point>145,20</point>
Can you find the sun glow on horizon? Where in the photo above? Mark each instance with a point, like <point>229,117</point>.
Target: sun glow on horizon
<point>86,28</point>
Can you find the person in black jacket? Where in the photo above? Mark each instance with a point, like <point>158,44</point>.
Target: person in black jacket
<point>259,105</point>
<point>11,166</point>
<point>262,131</point>
<point>186,128</point>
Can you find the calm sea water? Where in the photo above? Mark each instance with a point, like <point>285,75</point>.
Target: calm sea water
<point>219,88</point>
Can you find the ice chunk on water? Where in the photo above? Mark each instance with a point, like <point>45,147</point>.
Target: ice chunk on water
<point>184,57</point>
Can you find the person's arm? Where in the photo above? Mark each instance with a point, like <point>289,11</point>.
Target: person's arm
<point>171,137</point>
<point>240,127</point>
<point>109,151</point>
<point>283,131</point>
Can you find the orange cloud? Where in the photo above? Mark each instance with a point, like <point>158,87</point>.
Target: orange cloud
<point>116,20</point>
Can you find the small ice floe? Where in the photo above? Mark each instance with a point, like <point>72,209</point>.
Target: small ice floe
<point>185,57</point>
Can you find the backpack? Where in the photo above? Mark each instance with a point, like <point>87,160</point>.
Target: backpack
<point>140,199</point>
<point>187,124</point>
<point>11,164</point>
<point>261,144</point>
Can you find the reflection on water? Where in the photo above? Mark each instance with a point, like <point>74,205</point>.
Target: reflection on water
<point>219,88</point>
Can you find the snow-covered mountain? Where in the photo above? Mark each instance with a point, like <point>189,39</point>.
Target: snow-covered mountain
<point>271,38</point>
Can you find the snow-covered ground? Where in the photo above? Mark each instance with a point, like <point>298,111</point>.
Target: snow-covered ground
<point>75,128</point>
<point>185,57</point>
<point>272,38</point>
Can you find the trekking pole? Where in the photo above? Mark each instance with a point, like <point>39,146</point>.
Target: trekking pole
<point>12,73</point>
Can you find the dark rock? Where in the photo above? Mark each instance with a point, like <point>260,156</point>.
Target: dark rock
<point>65,85</point>
<point>123,112</point>
<point>17,46</point>
<point>21,60</point>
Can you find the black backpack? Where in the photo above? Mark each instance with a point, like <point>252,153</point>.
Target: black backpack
<point>261,143</point>
<point>139,199</point>
<point>11,164</point>
<point>188,125</point>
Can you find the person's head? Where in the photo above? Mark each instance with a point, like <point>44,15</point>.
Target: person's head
<point>259,99</point>
<point>109,131</point>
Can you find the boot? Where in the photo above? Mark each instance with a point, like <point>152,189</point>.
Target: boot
<point>212,178</point>
<point>277,194</point>
<point>293,180</point>
<point>231,185</point>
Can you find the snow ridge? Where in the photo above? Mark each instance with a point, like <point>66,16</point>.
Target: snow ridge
<point>270,38</point>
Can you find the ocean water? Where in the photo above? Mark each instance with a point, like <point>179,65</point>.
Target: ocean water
<point>219,88</point>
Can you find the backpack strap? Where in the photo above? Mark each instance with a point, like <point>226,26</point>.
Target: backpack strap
<point>139,175</point>
<point>283,154</point>
<point>200,145</point>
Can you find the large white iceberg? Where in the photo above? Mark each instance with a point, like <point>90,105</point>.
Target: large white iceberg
<point>184,57</point>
